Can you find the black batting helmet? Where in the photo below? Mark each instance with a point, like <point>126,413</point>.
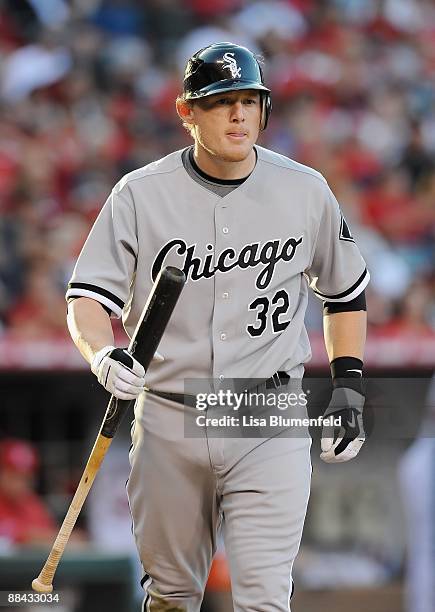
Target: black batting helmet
<point>225,67</point>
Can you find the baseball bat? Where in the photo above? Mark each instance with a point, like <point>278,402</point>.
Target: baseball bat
<point>144,342</point>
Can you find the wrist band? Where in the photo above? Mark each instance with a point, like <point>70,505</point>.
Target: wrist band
<point>347,372</point>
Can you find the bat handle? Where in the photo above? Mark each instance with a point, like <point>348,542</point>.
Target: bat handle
<point>44,582</point>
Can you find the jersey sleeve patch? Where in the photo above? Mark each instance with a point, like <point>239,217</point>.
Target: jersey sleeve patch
<point>96,293</point>
<point>349,294</point>
<point>345,233</point>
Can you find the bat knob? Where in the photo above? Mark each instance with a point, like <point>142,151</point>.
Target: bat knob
<point>41,587</point>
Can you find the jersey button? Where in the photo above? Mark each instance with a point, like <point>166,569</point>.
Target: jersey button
<point>225,295</point>
<point>221,377</point>
<point>223,336</point>
<point>225,230</point>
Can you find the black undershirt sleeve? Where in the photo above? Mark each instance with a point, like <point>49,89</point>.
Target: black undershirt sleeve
<point>358,303</point>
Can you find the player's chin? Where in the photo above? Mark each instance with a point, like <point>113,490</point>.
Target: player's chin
<point>237,151</point>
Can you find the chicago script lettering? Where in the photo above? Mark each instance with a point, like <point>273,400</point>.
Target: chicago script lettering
<point>250,256</point>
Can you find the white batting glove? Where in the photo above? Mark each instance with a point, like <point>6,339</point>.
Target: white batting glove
<point>343,443</point>
<point>119,372</point>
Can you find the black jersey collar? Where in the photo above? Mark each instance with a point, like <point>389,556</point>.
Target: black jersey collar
<point>213,179</point>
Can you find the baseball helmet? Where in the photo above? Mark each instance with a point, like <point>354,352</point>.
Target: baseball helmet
<point>222,67</point>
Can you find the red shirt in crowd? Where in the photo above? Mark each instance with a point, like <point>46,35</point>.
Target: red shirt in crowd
<point>25,520</point>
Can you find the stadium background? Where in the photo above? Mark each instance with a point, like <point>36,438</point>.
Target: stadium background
<point>87,90</point>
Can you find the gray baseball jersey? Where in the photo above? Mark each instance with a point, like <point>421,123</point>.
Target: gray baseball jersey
<point>248,256</point>
<point>249,253</point>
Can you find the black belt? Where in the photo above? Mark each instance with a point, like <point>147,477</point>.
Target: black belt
<point>277,380</point>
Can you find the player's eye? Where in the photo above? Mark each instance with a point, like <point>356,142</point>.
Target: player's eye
<point>222,101</point>
<point>250,101</point>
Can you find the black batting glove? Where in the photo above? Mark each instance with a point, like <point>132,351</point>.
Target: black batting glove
<point>343,438</point>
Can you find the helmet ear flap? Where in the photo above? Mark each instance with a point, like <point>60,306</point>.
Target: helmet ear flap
<point>266,107</point>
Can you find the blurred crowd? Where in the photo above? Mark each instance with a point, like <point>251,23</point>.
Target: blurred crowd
<point>87,91</point>
<point>24,518</point>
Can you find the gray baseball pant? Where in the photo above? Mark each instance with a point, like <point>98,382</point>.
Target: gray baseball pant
<point>183,490</point>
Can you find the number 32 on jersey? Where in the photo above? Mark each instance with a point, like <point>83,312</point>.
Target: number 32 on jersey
<point>273,310</point>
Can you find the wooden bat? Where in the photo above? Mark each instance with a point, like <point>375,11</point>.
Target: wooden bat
<point>144,342</point>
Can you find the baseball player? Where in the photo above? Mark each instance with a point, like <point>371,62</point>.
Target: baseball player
<point>252,230</point>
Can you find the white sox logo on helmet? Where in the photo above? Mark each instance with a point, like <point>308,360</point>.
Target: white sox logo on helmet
<point>236,71</point>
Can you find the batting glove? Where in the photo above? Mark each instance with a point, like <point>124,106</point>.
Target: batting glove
<point>119,372</point>
<point>343,442</point>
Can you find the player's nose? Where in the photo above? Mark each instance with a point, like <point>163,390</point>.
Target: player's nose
<point>237,111</point>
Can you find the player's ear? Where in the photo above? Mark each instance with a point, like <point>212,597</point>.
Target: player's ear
<point>184,110</point>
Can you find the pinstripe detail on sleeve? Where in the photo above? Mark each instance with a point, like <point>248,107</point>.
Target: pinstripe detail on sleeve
<point>349,294</point>
<point>96,293</point>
